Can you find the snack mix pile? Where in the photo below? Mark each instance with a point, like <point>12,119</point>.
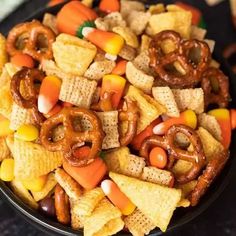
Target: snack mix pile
<point>107,119</point>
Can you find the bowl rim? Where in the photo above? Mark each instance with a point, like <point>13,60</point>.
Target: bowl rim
<point>44,224</point>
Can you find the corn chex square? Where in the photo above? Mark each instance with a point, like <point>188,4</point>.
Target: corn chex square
<point>78,91</point>
<point>126,7</point>
<point>76,219</point>
<point>127,52</point>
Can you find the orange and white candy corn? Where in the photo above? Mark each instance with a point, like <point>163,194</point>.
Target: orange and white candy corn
<point>49,93</point>
<point>117,197</point>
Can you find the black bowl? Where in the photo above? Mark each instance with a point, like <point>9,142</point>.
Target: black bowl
<point>181,216</point>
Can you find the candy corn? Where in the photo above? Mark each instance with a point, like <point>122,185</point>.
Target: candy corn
<point>109,5</point>
<point>27,132</point>
<point>49,93</point>
<point>113,84</point>
<point>7,169</point>
<point>187,117</point>
<point>233,118</point>
<point>120,68</point>
<point>5,126</point>
<point>57,108</point>
<point>35,184</point>
<point>118,198</point>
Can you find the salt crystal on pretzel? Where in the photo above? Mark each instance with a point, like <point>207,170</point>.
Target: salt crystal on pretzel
<point>157,176</point>
<point>47,188</point>
<point>99,68</point>
<point>179,21</point>
<point>76,219</point>
<point>73,55</point>
<point>105,220</point>
<point>128,35</point>
<point>138,78</point>
<point>71,187</point>
<point>88,202</point>
<point>163,200</point>
<point>138,224</point>
<point>50,21</point>
<point>210,123</point>
<point>137,21</point>
<point>149,108</point>
<point>126,7</point>
<point>5,151</point>
<point>184,99</point>
<point>109,121</point>
<point>33,160</point>
<point>78,91</point>
<point>20,116</point>
<point>127,52</point>
<point>165,97</point>
<point>197,33</point>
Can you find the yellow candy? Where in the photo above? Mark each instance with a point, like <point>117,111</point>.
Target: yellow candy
<point>36,184</point>
<point>5,127</point>
<point>7,170</point>
<point>27,133</point>
<point>191,118</point>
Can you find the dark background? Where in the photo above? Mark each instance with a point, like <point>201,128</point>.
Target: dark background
<point>220,218</point>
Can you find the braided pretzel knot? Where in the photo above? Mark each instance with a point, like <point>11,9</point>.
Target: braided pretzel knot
<point>222,96</point>
<point>212,170</point>
<point>181,54</point>
<point>28,77</point>
<point>73,138</point>
<point>31,31</point>
<point>167,142</point>
<point>129,113</point>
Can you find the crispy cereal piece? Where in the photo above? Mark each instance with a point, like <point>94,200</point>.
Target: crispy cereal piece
<point>6,100</point>
<point>76,219</point>
<point>105,220</point>
<point>73,55</point>
<point>211,44</point>
<point>20,116</point>
<point>109,121</point>
<point>126,7</point>
<point>33,160</point>
<point>210,145</point>
<point>3,52</point>
<point>157,176</point>
<point>127,52</point>
<point>210,123</point>
<point>138,78</point>
<point>96,96</point>
<point>182,140</point>
<point>166,98</point>
<point>71,187</point>
<point>179,21</point>
<point>88,3</point>
<point>78,91</point>
<point>128,35</point>
<point>184,99</point>
<point>5,151</point>
<point>214,64</point>
<point>181,167</point>
<point>157,9</point>
<point>137,21</point>
<point>138,224</point>
<point>197,33</point>
<point>88,202</point>
<point>145,42</point>
<point>50,21</point>
<point>162,200</point>
<point>99,68</point>
<point>47,189</point>
<point>149,108</point>
<point>19,189</point>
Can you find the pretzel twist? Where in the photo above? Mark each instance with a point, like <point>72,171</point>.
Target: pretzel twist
<point>32,31</point>
<point>167,142</point>
<point>73,138</point>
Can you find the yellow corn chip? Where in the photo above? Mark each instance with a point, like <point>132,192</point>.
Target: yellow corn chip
<point>197,33</point>
<point>149,108</point>
<point>127,52</point>
<point>47,189</point>
<point>126,7</point>
<point>174,8</point>
<point>71,187</point>
<point>3,52</point>
<point>4,150</point>
<point>33,160</point>
<point>155,201</point>
<point>138,78</point>
<point>11,69</point>
<point>145,42</point>
<point>179,21</point>
<point>6,100</point>
<point>166,98</point>
<point>20,190</point>
<point>73,55</point>
<point>105,220</point>
<point>76,219</point>
<point>128,35</point>
<point>156,9</point>
<point>78,91</point>
<point>181,167</point>
<point>138,224</point>
<point>10,142</point>
<point>183,203</point>
<point>89,201</point>
<point>50,21</point>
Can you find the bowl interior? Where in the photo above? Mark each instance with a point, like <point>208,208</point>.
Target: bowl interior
<point>181,215</point>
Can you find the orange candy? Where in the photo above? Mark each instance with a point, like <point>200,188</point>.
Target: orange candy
<point>57,108</point>
<point>117,197</point>
<point>120,68</point>
<point>109,5</point>
<point>21,59</point>
<point>49,93</point>
<point>55,2</point>
<point>233,118</point>
<point>158,157</point>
